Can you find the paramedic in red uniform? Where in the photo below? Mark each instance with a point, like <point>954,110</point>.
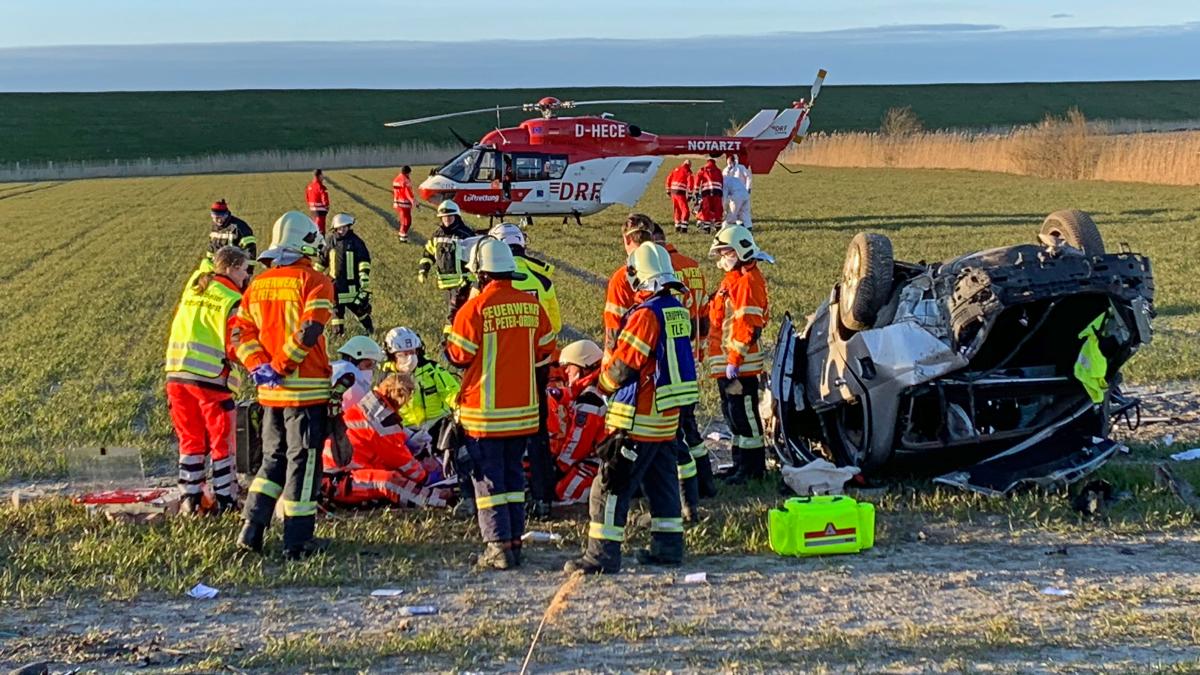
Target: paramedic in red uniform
<point>679,184</point>
<point>404,201</point>
<point>318,200</point>
<point>710,185</point>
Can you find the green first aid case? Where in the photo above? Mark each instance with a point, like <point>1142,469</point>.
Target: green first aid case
<point>821,525</point>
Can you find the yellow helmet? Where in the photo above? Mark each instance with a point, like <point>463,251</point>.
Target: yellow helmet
<point>651,266</point>
<point>582,353</point>
<point>737,238</point>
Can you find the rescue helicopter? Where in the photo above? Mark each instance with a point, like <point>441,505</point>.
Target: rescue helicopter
<point>579,166</point>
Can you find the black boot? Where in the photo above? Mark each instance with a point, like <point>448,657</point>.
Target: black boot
<point>586,565</point>
<point>368,324</point>
<point>190,505</point>
<point>225,504</point>
<point>704,477</point>
<point>251,537</point>
<point>497,556</point>
<point>725,474</point>
<point>307,549</point>
<point>515,548</point>
<point>664,550</point>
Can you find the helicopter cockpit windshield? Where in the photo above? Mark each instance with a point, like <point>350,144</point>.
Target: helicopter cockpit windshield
<point>460,168</point>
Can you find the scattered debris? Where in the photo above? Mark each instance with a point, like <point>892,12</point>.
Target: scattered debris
<point>696,578</point>
<point>1187,455</point>
<point>202,592</point>
<point>1057,592</point>
<point>417,610</point>
<point>1179,488</point>
<point>1168,440</point>
<point>818,477</point>
<point>1093,497</point>
<point>541,537</point>
<point>386,592</point>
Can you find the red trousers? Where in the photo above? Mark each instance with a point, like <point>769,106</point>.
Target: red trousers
<point>679,205</point>
<point>362,486</point>
<point>574,486</point>
<point>318,217</point>
<point>404,218</point>
<point>712,208</point>
<point>205,421</point>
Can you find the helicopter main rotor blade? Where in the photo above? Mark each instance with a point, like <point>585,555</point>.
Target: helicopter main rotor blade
<point>816,86</point>
<point>432,118</point>
<point>644,101</point>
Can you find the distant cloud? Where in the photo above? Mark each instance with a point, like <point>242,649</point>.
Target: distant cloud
<point>1062,16</point>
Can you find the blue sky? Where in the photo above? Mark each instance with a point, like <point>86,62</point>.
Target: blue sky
<point>121,22</point>
<point>135,45</point>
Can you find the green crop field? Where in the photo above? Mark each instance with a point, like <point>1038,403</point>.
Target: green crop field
<point>165,125</point>
<point>90,271</point>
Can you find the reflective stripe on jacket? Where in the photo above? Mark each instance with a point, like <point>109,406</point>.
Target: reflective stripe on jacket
<point>499,337</point>
<point>651,371</point>
<point>618,298</point>
<point>402,192</point>
<point>538,281</point>
<point>378,437</point>
<point>434,396</point>
<point>199,348</point>
<point>317,196</point>
<point>737,314</point>
<point>348,262</point>
<point>281,321</point>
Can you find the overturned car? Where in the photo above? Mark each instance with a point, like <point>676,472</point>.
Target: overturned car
<point>996,369</point>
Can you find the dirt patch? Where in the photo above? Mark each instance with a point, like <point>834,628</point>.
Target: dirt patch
<point>1168,411</point>
<point>922,604</point>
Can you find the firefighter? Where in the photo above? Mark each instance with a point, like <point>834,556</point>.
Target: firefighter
<point>735,169</point>
<point>538,282</point>
<point>695,466</point>
<point>404,201</point>
<point>499,337</point>
<point>281,341</point>
<point>229,230</point>
<point>737,314</point>
<point>443,255</point>
<point>648,376</point>
<point>383,467</point>
<point>709,184</point>
<point>679,185</point>
<point>737,203</point>
<point>318,200</point>
<point>348,262</point>
<point>200,378</point>
<point>574,447</point>
<point>360,355</point>
<point>618,297</point>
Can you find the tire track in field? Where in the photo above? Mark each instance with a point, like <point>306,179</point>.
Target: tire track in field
<point>567,330</point>
<point>12,187</point>
<point>38,188</point>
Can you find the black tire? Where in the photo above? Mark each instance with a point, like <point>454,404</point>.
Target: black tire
<point>866,280</point>
<point>1076,229</point>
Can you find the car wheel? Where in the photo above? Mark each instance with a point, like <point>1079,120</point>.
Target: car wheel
<point>866,280</point>
<point>1074,228</point>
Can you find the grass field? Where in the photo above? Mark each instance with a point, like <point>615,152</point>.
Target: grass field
<point>164,125</point>
<point>91,276</point>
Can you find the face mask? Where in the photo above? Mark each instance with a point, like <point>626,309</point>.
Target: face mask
<point>406,363</point>
<point>727,262</point>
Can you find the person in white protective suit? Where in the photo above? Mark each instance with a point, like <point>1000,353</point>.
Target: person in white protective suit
<point>737,203</point>
<point>740,171</point>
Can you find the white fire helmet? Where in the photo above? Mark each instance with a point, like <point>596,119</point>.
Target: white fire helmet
<point>508,233</point>
<point>490,255</point>
<point>296,232</point>
<point>362,347</point>
<point>342,220</point>
<point>402,339</point>
<point>740,241</point>
<point>582,353</point>
<point>448,208</point>
<point>651,266</point>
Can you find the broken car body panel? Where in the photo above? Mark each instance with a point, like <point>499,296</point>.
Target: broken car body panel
<point>970,363</point>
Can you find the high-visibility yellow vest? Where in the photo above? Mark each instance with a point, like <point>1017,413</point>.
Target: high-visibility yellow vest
<point>538,281</point>
<point>434,397</point>
<point>196,347</point>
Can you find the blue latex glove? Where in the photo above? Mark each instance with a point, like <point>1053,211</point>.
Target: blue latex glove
<point>732,372</point>
<point>266,376</point>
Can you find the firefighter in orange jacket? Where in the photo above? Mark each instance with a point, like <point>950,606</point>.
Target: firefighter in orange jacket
<point>280,339</point>
<point>383,467</point>
<point>737,314</point>
<point>679,185</point>
<point>619,294</point>
<point>318,200</point>
<point>499,337</point>
<point>710,185</point>
<point>200,354</point>
<point>695,466</point>
<point>404,201</point>
<point>650,374</point>
<point>574,447</point>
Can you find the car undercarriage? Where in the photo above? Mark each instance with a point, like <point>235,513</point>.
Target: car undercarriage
<point>995,369</point>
